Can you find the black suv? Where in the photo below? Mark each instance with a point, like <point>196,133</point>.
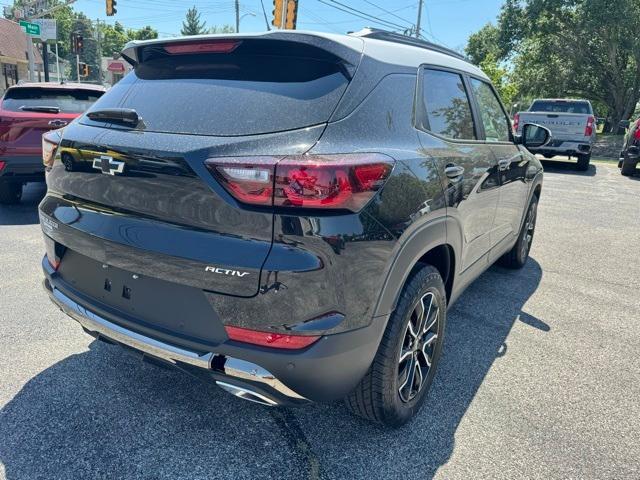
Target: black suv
<point>630,154</point>
<point>288,214</point>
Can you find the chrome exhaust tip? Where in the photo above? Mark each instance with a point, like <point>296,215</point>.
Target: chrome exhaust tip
<point>246,394</point>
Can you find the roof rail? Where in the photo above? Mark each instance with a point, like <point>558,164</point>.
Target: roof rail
<point>385,35</point>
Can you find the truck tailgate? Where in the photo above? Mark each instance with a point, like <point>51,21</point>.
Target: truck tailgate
<point>563,126</point>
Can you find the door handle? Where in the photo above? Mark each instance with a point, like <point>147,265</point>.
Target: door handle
<point>504,164</point>
<point>453,171</point>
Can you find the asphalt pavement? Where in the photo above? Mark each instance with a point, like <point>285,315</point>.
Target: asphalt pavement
<point>540,376</point>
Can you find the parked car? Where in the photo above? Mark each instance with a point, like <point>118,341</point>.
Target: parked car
<point>630,154</point>
<point>295,216</point>
<point>26,112</point>
<point>572,123</point>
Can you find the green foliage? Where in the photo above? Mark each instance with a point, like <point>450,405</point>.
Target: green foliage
<point>222,29</point>
<point>485,50</point>
<point>568,48</point>
<point>484,43</point>
<point>501,78</point>
<point>192,24</point>
<point>115,36</point>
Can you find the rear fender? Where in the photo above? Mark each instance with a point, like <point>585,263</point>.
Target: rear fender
<point>417,244</point>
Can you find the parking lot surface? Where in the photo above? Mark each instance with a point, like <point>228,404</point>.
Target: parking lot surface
<point>540,376</point>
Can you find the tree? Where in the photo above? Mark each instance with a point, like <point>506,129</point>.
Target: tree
<point>561,48</point>
<point>191,24</point>
<point>145,33</point>
<point>114,37</point>
<point>483,43</point>
<point>222,29</point>
<point>485,49</point>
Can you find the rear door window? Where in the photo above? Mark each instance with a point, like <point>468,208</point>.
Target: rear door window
<point>67,100</point>
<point>232,94</point>
<point>496,124</point>
<point>446,105</point>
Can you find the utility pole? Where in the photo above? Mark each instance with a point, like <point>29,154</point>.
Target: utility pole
<point>58,63</point>
<point>237,16</point>
<point>99,48</point>
<point>419,19</point>
<point>32,65</point>
<point>264,12</point>
<point>45,60</point>
<point>78,67</point>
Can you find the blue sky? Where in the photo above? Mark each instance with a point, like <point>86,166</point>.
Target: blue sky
<point>449,22</point>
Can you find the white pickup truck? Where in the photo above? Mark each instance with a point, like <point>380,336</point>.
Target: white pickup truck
<point>572,124</point>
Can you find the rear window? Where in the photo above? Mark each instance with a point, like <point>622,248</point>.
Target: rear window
<point>67,100</point>
<point>230,94</point>
<point>560,107</point>
<point>447,106</point>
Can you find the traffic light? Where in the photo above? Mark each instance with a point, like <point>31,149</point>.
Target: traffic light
<point>84,69</point>
<point>111,8</point>
<point>277,13</point>
<point>77,43</point>
<point>292,13</point>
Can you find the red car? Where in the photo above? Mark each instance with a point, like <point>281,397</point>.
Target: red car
<point>26,112</point>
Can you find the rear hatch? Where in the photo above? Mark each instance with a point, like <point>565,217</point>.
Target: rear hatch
<point>26,112</point>
<point>143,194</point>
<point>566,119</point>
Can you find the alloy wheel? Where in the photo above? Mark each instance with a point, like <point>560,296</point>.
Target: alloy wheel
<point>418,346</point>
<point>529,226</point>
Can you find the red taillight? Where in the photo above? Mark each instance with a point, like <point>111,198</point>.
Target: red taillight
<point>55,263</point>
<point>270,339</point>
<point>636,134</point>
<point>212,46</point>
<point>250,179</point>
<point>2,164</point>
<point>588,131</point>
<point>48,151</point>
<point>344,182</point>
<point>516,122</point>
<point>54,251</point>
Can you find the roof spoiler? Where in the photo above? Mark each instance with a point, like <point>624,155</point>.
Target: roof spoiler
<point>347,48</point>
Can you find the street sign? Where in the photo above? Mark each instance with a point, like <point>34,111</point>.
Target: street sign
<point>32,29</point>
<point>48,28</point>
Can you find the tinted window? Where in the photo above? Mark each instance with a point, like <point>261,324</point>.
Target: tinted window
<point>229,94</point>
<point>67,100</point>
<point>560,106</point>
<point>496,124</point>
<point>447,105</point>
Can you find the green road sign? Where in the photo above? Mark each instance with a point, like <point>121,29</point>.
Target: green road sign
<point>30,28</point>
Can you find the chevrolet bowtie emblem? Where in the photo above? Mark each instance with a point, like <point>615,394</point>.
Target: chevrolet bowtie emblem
<point>108,165</point>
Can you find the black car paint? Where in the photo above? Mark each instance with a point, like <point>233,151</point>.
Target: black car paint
<point>166,219</point>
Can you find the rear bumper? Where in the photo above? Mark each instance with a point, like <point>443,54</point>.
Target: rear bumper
<point>326,371</point>
<point>564,148</point>
<point>22,169</point>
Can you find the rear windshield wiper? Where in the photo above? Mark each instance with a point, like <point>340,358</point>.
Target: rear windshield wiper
<point>40,108</point>
<point>126,116</point>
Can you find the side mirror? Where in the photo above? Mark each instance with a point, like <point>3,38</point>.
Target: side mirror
<point>624,124</point>
<point>533,136</point>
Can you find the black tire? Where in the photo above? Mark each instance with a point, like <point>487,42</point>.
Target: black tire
<point>10,193</point>
<point>628,168</point>
<point>518,255</point>
<point>382,396</point>
<point>548,155</point>
<point>583,162</point>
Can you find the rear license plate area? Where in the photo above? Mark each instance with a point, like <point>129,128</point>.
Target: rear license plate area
<point>153,302</point>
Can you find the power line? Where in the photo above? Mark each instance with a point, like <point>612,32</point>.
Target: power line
<point>387,11</point>
<point>358,13</point>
